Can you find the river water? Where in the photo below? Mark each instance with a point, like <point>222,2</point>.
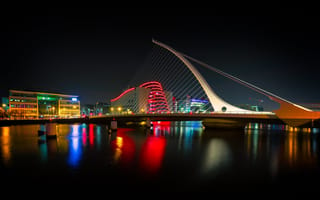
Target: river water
<point>180,157</point>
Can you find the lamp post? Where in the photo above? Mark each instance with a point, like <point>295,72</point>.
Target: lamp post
<point>111,109</point>
<point>119,109</point>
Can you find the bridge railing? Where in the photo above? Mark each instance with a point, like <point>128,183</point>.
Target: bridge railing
<point>185,114</point>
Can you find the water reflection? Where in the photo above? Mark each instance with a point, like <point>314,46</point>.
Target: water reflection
<point>98,137</point>
<point>91,135</point>
<point>186,131</point>
<point>84,134</point>
<point>77,143</point>
<point>5,144</point>
<point>152,154</point>
<point>153,150</point>
<point>75,130</point>
<point>218,156</point>
<point>161,128</point>
<point>48,149</point>
<point>282,149</point>
<point>299,150</point>
<point>124,148</point>
<point>180,151</point>
<point>146,153</point>
<point>253,146</point>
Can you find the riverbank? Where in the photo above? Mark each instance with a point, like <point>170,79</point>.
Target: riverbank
<point>40,121</point>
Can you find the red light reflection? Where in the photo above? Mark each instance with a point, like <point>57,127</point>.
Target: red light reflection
<point>161,127</point>
<point>152,154</point>
<point>84,136</point>
<point>91,134</point>
<point>124,148</point>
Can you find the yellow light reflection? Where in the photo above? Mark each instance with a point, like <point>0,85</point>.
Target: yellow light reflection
<point>290,147</point>
<point>6,153</point>
<point>118,150</point>
<point>248,141</point>
<point>298,150</point>
<point>5,131</point>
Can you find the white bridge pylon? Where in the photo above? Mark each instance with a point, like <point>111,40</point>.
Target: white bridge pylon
<point>217,103</point>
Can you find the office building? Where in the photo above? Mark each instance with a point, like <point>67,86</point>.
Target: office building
<point>31,104</point>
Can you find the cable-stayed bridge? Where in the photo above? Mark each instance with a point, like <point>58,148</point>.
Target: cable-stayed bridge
<point>170,83</point>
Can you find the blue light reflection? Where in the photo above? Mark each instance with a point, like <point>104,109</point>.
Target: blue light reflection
<point>75,148</point>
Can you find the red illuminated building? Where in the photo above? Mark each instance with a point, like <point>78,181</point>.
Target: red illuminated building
<point>157,101</point>
<point>149,97</point>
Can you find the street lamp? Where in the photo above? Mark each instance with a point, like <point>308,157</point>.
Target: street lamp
<point>112,109</point>
<point>119,109</point>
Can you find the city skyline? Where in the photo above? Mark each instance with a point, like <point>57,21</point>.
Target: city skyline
<point>93,53</point>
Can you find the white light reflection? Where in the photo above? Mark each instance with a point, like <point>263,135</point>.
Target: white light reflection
<point>75,130</point>
<point>217,157</point>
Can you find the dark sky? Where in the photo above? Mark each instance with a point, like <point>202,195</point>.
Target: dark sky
<point>93,53</point>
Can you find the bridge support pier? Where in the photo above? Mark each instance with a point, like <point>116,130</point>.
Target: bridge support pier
<point>51,130</point>
<point>148,123</point>
<point>113,125</point>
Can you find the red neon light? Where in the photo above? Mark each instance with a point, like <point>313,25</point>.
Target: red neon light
<point>123,93</point>
<point>157,102</point>
<point>150,82</point>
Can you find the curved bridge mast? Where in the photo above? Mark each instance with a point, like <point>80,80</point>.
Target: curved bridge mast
<point>217,103</point>
<point>290,113</point>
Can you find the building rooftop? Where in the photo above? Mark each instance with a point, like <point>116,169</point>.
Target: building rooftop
<point>45,93</point>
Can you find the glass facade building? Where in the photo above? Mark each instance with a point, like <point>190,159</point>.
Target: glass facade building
<point>28,105</point>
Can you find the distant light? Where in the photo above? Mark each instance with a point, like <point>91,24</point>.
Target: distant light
<point>74,99</point>
<point>4,105</point>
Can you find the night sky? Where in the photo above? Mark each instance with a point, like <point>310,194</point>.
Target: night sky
<point>93,53</point>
